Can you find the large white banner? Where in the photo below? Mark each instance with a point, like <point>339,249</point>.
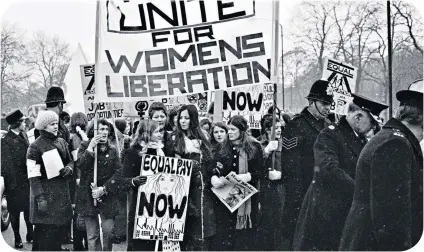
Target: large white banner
<point>162,48</point>
<point>342,78</point>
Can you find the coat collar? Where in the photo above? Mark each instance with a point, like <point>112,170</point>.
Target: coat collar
<point>48,135</point>
<point>13,135</point>
<point>318,125</point>
<point>354,142</point>
<point>396,125</point>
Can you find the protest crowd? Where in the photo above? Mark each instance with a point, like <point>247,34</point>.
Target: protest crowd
<point>322,182</point>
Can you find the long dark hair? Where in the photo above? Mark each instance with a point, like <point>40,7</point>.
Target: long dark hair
<point>194,130</point>
<point>247,143</point>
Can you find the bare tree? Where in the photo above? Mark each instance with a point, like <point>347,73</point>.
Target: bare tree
<point>412,22</point>
<point>13,75</point>
<point>49,56</point>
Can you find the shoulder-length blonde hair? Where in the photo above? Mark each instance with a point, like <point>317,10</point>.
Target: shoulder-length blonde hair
<point>144,131</point>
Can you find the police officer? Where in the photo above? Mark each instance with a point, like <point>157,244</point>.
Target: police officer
<point>54,101</point>
<point>387,208</point>
<point>14,146</point>
<point>297,156</point>
<point>329,197</point>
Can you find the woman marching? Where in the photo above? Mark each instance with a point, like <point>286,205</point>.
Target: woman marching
<point>50,199</point>
<point>242,154</point>
<point>219,133</point>
<point>147,140</point>
<point>191,142</point>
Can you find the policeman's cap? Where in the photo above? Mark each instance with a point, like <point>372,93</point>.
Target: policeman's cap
<point>321,91</point>
<point>55,94</point>
<point>372,107</point>
<point>413,96</point>
<point>14,117</point>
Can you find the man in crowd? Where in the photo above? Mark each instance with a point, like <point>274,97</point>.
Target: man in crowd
<point>14,146</point>
<point>387,208</point>
<point>297,154</point>
<point>328,199</point>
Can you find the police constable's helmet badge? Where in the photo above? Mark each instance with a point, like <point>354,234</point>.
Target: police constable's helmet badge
<point>331,127</point>
<point>329,90</point>
<point>398,134</point>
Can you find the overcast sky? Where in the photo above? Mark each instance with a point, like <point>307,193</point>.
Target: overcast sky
<point>74,21</point>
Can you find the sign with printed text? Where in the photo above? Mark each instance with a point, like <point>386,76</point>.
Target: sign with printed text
<point>162,201</point>
<point>103,110</point>
<point>154,49</point>
<point>341,77</point>
<point>252,102</point>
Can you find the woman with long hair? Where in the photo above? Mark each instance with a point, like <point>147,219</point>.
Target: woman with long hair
<point>191,142</point>
<point>242,154</point>
<point>218,132</point>
<point>146,140</point>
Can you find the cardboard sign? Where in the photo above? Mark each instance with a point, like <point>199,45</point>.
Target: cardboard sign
<point>154,49</point>
<point>341,77</point>
<point>89,89</point>
<point>252,102</point>
<point>162,202</point>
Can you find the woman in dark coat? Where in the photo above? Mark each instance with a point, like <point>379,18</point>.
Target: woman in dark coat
<point>191,142</point>
<point>109,174</point>
<point>243,155</point>
<point>272,191</point>
<point>14,146</point>
<point>146,141</point>
<point>50,200</point>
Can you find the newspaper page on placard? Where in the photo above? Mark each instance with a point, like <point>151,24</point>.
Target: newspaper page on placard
<point>162,48</point>
<point>52,163</point>
<point>89,89</point>
<point>162,201</point>
<point>252,102</point>
<point>235,192</point>
<point>342,78</point>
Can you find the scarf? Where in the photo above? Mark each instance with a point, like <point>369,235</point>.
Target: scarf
<point>192,145</point>
<point>153,145</point>
<point>243,213</point>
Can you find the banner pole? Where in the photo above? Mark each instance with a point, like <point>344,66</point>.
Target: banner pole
<point>156,245</point>
<point>95,80</point>
<point>217,107</point>
<point>274,65</point>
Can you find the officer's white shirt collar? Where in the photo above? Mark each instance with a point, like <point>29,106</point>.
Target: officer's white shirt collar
<point>16,132</point>
<point>316,118</point>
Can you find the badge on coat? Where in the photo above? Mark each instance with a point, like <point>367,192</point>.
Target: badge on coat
<point>289,143</point>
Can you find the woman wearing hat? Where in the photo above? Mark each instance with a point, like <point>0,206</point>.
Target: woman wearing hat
<point>50,200</point>
<point>243,155</point>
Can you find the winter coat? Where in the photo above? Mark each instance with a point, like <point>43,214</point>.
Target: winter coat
<point>132,168</point>
<point>200,219</point>
<point>329,197</point>
<point>109,174</point>
<point>225,220</point>
<point>14,171</point>
<point>272,196</point>
<point>297,156</point>
<point>55,190</point>
<point>387,208</point>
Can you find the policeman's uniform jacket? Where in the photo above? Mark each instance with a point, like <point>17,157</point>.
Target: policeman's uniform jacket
<point>387,208</point>
<point>329,197</point>
<point>14,171</point>
<point>297,157</point>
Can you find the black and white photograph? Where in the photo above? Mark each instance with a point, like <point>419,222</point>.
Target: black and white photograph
<point>211,125</point>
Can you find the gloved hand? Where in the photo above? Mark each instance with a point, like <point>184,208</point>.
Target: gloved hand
<point>42,206</point>
<point>97,192</point>
<point>64,172</point>
<point>139,180</point>
<point>217,182</point>
<point>81,133</point>
<point>274,175</point>
<point>244,177</point>
<point>217,170</point>
<point>272,146</point>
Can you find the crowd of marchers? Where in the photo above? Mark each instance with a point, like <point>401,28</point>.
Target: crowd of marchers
<point>325,181</point>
